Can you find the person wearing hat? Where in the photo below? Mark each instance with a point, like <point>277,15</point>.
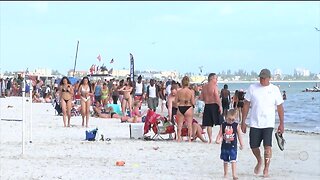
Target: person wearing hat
<point>262,97</point>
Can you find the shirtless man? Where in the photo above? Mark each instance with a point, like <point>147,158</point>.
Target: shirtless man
<point>225,99</point>
<point>171,104</point>
<point>210,96</point>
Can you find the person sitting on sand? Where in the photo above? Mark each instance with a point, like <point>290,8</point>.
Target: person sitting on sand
<point>101,112</point>
<point>36,97</point>
<point>136,116</point>
<point>196,131</point>
<point>48,98</point>
<point>229,132</point>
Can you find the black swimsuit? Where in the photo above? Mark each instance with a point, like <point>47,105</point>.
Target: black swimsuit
<point>63,90</point>
<point>183,109</point>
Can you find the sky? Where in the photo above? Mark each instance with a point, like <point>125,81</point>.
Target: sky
<point>180,36</point>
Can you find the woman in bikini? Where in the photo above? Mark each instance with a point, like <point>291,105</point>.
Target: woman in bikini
<point>102,112</point>
<point>66,93</point>
<point>105,94</point>
<point>185,101</point>
<point>127,98</point>
<point>85,99</point>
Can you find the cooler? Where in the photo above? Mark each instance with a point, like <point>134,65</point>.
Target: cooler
<point>136,130</point>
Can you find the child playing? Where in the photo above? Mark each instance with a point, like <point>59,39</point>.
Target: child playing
<point>229,131</point>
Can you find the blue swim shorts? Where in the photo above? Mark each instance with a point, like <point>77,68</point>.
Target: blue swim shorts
<point>228,154</point>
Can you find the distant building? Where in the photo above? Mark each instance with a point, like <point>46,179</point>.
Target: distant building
<point>121,73</point>
<point>301,72</point>
<point>77,73</point>
<point>198,79</point>
<point>42,72</point>
<point>277,74</point>
<point>236,78</point>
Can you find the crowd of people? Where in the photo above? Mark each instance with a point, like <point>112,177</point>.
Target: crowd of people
<point>182,101</point>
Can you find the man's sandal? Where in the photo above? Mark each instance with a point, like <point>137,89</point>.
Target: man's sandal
<point>280,140</point>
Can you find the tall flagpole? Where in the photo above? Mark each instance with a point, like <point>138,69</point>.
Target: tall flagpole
<point>75,60</point>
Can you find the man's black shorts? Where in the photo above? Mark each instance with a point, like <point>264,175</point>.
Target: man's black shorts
<point>257,135</point>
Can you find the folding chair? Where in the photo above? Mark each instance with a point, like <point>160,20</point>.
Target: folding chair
<point>158,124</point>
<point>163,127</point>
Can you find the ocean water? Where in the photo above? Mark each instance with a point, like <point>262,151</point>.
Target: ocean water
<point>301,109</point>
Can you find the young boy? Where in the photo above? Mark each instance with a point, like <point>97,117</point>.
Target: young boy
<point>229,131</point>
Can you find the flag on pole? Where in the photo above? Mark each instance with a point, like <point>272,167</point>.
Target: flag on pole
<point>131,67</point>
<point>99,58</point>
<point>111,61</point>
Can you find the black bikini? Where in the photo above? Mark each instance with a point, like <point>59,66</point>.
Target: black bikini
<point>183,109</point>
<point>63,90</point>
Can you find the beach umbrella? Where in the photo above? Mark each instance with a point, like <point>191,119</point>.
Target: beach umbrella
<point>73,80</point>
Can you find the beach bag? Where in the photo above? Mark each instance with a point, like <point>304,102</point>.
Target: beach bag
<point>91,135</point>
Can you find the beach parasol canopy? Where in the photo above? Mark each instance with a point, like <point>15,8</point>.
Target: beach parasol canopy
<point>73,80</point>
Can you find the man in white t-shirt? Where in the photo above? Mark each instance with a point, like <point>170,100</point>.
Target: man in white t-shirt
<point>262,97</point>
<point>152,95</point>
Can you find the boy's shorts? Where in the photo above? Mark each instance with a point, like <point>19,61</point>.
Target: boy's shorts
<point>229,154</point>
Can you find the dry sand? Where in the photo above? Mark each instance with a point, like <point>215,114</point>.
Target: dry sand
<point>61,153</point>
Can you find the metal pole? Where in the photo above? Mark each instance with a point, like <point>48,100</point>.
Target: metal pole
<point>75,60</point>
<point>23,114</point>
<point>30,121</point>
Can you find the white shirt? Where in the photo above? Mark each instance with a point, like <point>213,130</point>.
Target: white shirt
<point>48,90</point>
<point>168,89</point>
<point>263,101</point>
<point>152,91</point>
<point>138,88</point>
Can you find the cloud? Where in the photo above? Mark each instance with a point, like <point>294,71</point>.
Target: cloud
<point>40,6</point>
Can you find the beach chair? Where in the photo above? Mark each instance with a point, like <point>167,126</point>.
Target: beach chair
<point>163,127</point>
<point>158,124</point>
<point>150,121</point>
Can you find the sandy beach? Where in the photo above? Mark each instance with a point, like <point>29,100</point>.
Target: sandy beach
<point>62,153</point>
